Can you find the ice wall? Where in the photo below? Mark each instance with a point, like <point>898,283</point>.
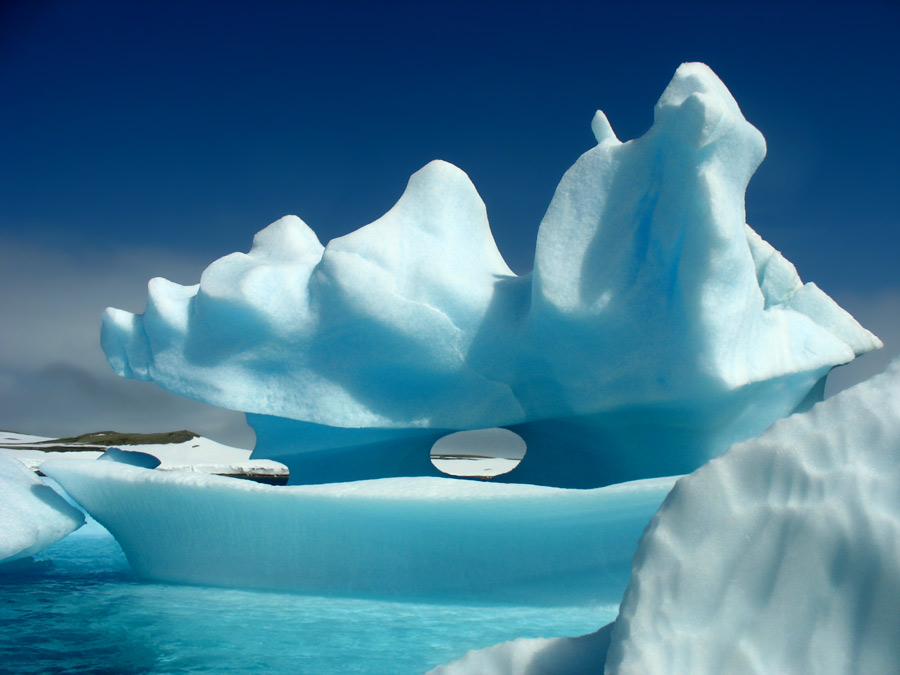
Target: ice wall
<point>781,556</point>
<point>427,538</point>
<point>32,515</point>
<point>656,329</point>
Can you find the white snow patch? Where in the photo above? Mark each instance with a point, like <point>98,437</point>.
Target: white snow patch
<point>199,454</point>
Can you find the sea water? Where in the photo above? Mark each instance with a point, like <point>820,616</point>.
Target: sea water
<point>78,608</point>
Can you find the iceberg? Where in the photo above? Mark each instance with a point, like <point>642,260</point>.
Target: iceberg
<point>656,329</point>
<point>422,537</point>
<point>33,516</point>
<point>780,556</point>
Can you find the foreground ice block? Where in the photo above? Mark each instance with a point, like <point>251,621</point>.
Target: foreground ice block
<point>781,556</point>
<point>434,538</point>
<point>32,515</point>
<point>656,329</point>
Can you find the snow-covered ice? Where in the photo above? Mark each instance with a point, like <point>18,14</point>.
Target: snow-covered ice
<point>32,515</point>
<point>16,438</point>
<point>428,538</point>
<point>781,556</point>
<point>535,656</point>
<point>197,453</point>
<point>656,329</point>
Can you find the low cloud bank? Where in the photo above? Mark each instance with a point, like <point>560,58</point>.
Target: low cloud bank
<point>54,379</point>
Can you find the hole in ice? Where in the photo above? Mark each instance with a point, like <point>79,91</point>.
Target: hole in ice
<point>480,453</point>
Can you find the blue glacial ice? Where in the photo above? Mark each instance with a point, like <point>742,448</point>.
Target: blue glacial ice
<point>32,515</point>
<point>655,330</point>
<point>439,539</point>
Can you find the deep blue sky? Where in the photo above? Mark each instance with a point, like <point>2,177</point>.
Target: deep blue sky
<point>188,126</point>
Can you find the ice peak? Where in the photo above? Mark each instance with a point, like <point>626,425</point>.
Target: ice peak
<point>699,79</point>
<point>650,299</point>
<point>602,129</point>
<point>287,238</point>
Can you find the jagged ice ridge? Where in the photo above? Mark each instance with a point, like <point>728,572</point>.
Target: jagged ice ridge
<point>656,329</point>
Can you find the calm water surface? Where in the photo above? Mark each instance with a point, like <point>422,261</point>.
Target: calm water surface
<point>79,609</point>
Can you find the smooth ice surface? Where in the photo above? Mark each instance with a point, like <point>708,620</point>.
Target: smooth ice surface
<point>435,538</point>
<point>656,329</point>
<point>32,515</point>
<point>781,556</point>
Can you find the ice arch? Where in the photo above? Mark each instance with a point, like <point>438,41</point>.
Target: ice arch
<point>656,329</point>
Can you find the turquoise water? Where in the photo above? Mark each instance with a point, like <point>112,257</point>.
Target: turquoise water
<point>79,609</point>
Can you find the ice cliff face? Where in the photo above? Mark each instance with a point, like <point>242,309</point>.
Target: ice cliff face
<point>656,329</point>
<point>781,556</point>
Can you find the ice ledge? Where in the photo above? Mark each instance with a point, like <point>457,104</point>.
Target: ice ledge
<point>429,538</point>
